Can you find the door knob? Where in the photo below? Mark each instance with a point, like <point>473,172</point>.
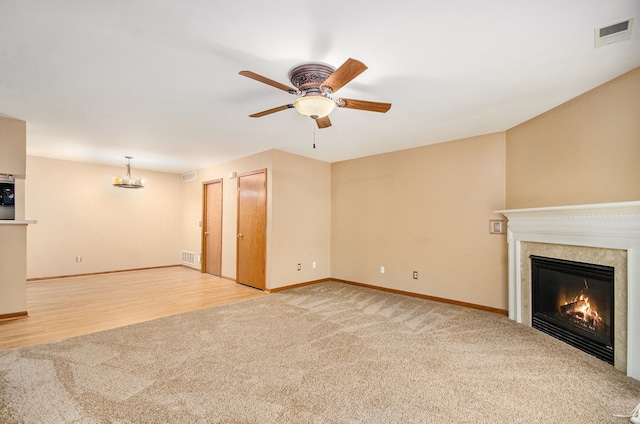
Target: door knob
<point>206,233</point>
<point>239,235</point>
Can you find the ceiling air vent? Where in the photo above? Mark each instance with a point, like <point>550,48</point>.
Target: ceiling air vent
<point>613,33</point>
<point>189,176</point>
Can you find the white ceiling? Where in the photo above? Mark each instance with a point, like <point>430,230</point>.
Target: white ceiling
<point>158,80</point>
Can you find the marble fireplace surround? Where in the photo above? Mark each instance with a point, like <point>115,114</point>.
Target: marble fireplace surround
<point>604,233</point>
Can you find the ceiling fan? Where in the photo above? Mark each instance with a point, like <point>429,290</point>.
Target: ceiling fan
<point>314,84</point>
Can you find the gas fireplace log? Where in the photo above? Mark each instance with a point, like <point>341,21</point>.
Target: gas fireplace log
<point>572,307</point>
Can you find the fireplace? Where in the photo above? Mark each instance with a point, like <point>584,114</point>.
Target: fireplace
<point>574,302</point>
<point>606,234</point>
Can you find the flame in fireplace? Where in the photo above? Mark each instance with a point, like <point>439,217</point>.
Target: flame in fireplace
<point>579,310</point>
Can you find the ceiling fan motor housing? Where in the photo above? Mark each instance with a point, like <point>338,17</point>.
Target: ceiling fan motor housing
<point>308,77</point>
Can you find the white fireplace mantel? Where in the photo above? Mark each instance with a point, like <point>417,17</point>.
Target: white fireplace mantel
<point>603,225</point>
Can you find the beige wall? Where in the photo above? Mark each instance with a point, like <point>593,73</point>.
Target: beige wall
<point>584,151</point>
<point>298,215</point>
<point>13,151</point>
<point>301,225</point>
<point>427,210</point>
<point>79,212</point>
<point>13,142</point>
<point>13,256</point>
<point>13,269</point>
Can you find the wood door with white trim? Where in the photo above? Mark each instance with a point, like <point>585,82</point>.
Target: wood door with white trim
<point>252,224</point>
<point>212,228</point>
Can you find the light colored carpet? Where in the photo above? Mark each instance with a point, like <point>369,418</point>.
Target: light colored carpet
<point>326,353</point>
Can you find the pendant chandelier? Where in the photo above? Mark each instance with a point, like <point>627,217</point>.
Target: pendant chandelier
<point>127,181</point>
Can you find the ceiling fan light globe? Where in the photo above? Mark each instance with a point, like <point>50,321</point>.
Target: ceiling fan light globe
<point>314,106</point>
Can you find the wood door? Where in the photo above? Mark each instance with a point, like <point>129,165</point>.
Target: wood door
<point>212,228</point>
<point>252,222</point>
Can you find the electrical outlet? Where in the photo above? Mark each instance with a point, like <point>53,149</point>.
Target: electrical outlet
<point>415,275</point>
<point>78,258</point>
<point>299,267</point>
<point>381,270</point>
<point>313,264</point>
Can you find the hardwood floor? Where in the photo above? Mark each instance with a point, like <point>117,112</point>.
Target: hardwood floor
<point>73,306</point>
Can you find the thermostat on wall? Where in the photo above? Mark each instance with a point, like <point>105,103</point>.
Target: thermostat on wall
<point>496,226</point>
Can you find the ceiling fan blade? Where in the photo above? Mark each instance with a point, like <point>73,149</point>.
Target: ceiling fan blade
<point>268,81</point>
<point>345,73</point>
<point>323,122</point>
<point>270,111</point>
<point>364,105</point>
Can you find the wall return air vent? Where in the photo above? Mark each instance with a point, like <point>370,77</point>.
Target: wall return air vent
<point>610,34</point>
<point>188,258</point>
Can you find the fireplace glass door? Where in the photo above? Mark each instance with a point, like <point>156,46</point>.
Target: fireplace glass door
<point>573,301</point>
